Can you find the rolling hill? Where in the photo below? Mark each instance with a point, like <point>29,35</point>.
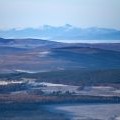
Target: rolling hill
<point>36,55</point>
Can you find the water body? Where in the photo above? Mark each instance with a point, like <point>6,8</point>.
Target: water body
<point>89,111</point>
<point>60,112</point>
<point>88,41</point>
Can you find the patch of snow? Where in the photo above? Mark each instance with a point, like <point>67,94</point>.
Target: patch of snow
<point>10,82</point>
<point>102,88</point>
<point>25,71</point>
<point>51,84</point>
<point>44,53</point>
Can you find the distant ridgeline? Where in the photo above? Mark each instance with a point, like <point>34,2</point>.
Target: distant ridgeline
<point>66,32</point>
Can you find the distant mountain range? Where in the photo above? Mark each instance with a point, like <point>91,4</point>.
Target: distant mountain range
<point>66,32</point>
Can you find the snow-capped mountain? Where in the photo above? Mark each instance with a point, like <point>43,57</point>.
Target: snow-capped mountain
<point>66,32</point>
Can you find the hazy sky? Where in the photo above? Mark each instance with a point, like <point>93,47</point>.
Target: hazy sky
<point>82,13</point>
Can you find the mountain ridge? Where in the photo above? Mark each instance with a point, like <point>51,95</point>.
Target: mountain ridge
<point>66,32</point>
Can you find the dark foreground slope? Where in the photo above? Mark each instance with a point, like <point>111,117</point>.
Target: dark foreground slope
<point>30,111</point>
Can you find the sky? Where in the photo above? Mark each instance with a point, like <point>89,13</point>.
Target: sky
<point>21,14</point>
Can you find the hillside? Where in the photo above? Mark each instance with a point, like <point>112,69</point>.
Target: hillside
<point>36,55</point>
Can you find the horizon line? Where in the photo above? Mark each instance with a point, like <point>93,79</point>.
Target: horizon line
<point>69,25</point>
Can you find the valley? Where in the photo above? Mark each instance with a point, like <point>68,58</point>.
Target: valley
<point>37,73</point>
